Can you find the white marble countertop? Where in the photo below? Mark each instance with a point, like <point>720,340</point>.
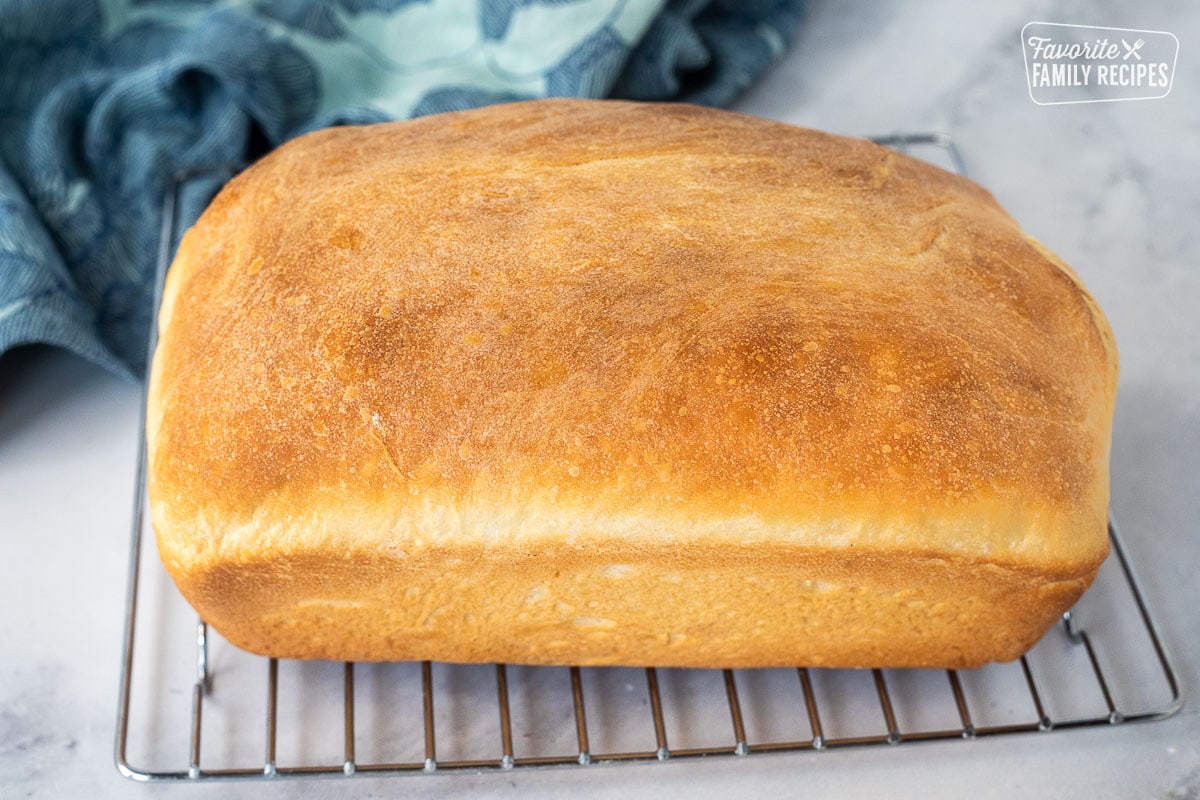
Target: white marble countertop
<point>1111,187</point>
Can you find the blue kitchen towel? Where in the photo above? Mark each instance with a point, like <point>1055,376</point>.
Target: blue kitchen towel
<point>103,101</point>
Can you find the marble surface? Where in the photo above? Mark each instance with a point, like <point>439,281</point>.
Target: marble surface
<point>1111,187</point>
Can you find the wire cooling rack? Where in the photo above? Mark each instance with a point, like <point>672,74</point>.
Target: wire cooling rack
<point>194,707</point>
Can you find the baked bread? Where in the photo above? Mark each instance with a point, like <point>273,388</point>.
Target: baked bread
<point>590,382</point>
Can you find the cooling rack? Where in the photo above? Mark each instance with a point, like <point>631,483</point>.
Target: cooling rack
<point>193,707</point>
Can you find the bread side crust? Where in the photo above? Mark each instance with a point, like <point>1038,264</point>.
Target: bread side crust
<point>542,585</point>
<point>631,602</point>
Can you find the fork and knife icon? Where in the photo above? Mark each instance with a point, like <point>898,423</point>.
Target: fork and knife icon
<point>1132,49</point>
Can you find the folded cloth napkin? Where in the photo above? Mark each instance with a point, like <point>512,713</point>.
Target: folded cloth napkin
<point>102,102</point>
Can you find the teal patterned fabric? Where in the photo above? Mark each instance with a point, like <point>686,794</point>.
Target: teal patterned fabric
<point>103,101</point>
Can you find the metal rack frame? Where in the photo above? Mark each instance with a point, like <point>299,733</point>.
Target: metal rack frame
<point>739,744</point>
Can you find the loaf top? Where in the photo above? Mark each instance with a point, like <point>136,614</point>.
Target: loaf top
<point>659,323</point>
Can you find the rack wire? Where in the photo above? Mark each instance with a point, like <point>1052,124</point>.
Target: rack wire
<point>194,688</point>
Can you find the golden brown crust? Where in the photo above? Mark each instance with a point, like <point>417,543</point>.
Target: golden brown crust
<point>512,344</point>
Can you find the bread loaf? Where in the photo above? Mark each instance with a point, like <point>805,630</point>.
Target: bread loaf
<point>587,382</point>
